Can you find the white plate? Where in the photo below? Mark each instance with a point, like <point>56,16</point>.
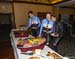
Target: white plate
<point>41,57</point>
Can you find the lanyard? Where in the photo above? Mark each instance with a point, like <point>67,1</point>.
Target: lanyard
<point>47,22</point>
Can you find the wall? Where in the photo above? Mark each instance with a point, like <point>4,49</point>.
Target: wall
<point>63,11</point>
<point>66,11</point>
<point>55,11</point>
<point>21,12</point>
<point>58,11</point>
<point>5,8</point>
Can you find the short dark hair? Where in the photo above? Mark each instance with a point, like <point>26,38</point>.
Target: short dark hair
<point>53,15</point>
<point>30,12</point>
<point>48,13</point>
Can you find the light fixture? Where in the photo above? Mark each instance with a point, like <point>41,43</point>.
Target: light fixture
<point>55,1</point>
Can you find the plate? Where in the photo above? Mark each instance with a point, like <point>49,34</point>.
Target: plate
<point>40,57</point>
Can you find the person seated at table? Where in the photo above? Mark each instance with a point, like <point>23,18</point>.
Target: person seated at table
<point>34,24</point>
<point>46,27</point>
<point>57,32</point>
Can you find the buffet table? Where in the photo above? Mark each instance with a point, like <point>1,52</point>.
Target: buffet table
<point>18,54</point>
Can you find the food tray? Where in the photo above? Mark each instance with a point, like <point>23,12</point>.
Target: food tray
<point>25,49</point>
<point>21,33</point>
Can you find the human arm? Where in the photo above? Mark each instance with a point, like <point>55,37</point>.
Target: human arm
<point>39,24</point>
<point>29,22</point>
<point>41,28</point>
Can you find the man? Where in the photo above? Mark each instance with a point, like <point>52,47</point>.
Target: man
<point>57,32</point>
<point>34,23</point>
<point>46,27</point>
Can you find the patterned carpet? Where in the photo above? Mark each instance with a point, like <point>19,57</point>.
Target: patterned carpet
<point>6,51</point>
<point>67,46</point>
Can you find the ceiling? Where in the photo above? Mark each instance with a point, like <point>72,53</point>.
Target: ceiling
<point>46,2</point>
<point>43,1</point>
<point>68,4</point>
<point>56,3</point>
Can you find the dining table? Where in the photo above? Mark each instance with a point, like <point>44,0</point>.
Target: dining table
<point>17,52</point>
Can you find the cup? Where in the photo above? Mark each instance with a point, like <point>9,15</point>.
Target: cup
<point>37,51</point>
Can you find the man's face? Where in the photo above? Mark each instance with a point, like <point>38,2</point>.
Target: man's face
<point>30,15</point>
<point>48,16</point>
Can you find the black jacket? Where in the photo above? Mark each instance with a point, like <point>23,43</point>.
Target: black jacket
<point>58,28</point>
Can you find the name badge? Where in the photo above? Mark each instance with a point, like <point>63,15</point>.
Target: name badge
<point>34,22</point>
<point>49,26</point>
<point>44,25</point>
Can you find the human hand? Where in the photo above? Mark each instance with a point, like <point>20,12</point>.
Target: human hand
<point>47,43</point>
<point>34,27</point>
<point>28,29</point>
<point>54,44</point>
<point>39,36</point>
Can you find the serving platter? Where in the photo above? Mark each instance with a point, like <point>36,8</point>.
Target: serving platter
<point>21,33</point>
<point>31,44</point>
<point>39,57</point>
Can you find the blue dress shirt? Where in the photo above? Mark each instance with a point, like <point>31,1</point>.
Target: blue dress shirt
<point>34,20</point>
<point>46,23</point>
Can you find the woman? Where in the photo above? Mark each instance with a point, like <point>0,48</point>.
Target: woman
<point>57,32</point>
<point>46,27</point>
<point>34,23</point>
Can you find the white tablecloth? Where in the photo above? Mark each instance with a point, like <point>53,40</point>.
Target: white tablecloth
<point>17,51</point>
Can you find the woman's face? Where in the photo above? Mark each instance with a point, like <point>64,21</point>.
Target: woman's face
<point>48,16</point>
<point>53,18</point>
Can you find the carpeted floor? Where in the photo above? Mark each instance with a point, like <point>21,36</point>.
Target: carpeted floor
<point>67,46</point>
<point>6,51</point>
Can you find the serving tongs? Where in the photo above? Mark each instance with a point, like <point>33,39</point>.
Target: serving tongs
<point>27,53</point>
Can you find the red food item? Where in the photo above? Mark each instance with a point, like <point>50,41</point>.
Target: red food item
<point>41,41</point>
<point>28,45</point>
<point>32,48</point>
